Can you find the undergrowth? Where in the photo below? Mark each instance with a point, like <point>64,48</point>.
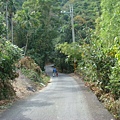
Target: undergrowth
<point>34,76</point>
<point>107,99</point>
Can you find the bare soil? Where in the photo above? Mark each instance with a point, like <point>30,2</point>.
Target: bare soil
<point>23,87</point>
<point>21,84</point>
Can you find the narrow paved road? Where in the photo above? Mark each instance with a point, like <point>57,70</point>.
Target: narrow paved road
<point>62,99</point>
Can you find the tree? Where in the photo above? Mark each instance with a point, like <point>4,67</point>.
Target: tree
<point>39,21</point>
<point>85,13</point>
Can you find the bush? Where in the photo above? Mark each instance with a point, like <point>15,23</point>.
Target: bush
<point>9,54</point>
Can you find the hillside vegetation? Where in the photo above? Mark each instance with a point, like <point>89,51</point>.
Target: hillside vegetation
<point>11,64</point>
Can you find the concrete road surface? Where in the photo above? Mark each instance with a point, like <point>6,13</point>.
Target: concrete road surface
<point>62,99</point>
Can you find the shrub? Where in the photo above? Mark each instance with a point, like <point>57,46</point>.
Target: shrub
<point>9,54</point>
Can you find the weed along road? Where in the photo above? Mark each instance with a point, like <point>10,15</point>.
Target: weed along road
<point>62,99</point>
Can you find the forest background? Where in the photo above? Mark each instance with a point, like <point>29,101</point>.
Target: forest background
<point>38,28</point>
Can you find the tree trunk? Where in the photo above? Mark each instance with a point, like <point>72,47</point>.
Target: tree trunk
<point>7,20</point>
<point>12,28</point>
<point>26,45</point>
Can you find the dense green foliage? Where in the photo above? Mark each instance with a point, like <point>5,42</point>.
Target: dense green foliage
<point>32,25</point>
<point>36,27</point>
<point>9,54</point>
<point>85,13</point>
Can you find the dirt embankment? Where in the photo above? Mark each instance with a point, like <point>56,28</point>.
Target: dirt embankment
<point>24,86</point>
